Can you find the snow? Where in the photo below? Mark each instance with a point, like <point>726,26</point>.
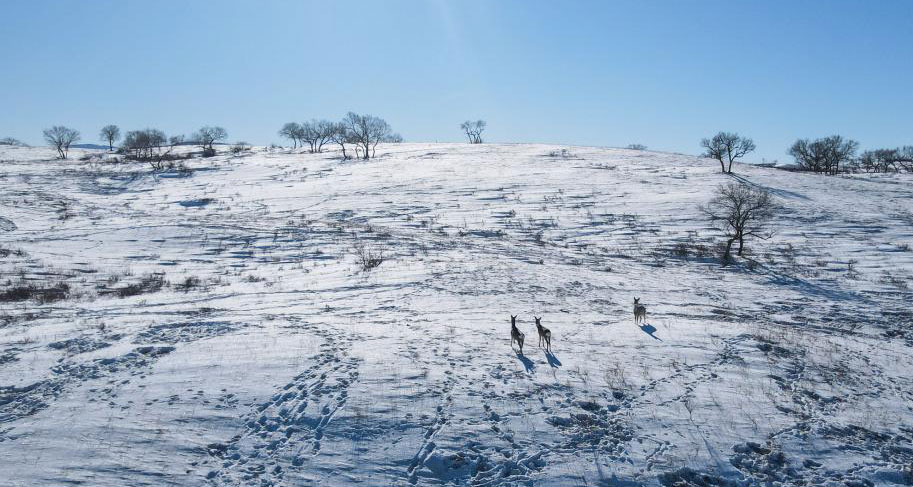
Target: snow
<point>219,330</point>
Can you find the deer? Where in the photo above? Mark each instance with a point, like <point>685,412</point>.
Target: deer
<point>515,334</point>
<point>545,335</point>
<point>640,312</point>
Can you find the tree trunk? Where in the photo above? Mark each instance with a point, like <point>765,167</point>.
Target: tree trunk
<point>741,244</point>
<point>727,256</point>
<point>722,165</point>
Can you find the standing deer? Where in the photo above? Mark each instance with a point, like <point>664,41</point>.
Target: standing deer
<point>545,335</point>
<point>515,334</point>
<point>640,312</point>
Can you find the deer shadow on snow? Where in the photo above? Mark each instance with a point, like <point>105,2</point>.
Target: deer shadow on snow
<point>649,330</point>
<point>527,363</point>
<point>552,359</point>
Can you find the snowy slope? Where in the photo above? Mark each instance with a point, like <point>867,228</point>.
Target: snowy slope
<point>217,328</point>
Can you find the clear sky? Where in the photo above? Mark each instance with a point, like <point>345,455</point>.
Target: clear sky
<point>660,73</point>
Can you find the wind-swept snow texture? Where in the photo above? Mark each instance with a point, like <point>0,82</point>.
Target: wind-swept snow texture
<point>219,327</point>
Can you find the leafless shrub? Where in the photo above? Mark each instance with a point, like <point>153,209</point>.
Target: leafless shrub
<point>149,283</point>
<point>24,292</point>
<point>367,258</point>
<point>636,147</point>
<point>899,282</point>
<point>562,154</point>
<point>189,282</point>
<point>851,272</point>
<point>692,247</point>
<point>240,148</point>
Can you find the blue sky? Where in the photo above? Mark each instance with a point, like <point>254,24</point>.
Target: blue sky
<point>660,73</point>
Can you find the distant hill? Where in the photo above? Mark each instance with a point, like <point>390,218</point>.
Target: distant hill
<point>89,146</point>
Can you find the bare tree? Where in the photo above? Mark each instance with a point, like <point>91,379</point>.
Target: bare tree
<point>905,157</point>
<point>307,133</point>
<point>340,135</point>
<point>878,160</point>
<point>301,133</point>
<point>474,130</point>
<point>291,130</point>
<point>61,138</point>
<point>110,133</point>
<point>636,147</point>
<point>809,156</point>
<point>884,160</point>
<point>727,147</point>
<point>152,146</point>
<point>323,133</point>
<point>740,211</point>
<point>143,144</point>
<point>207,136</point>
<point>175,140</point>
<point>316,133</point>
<point>824,155</point>
<point>12,141</point>
<point>366,131</point>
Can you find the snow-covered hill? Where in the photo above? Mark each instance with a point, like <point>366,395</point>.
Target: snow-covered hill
<point>216,327</point>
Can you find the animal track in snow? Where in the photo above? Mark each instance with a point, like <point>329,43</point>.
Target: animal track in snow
<point>284,432</point>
